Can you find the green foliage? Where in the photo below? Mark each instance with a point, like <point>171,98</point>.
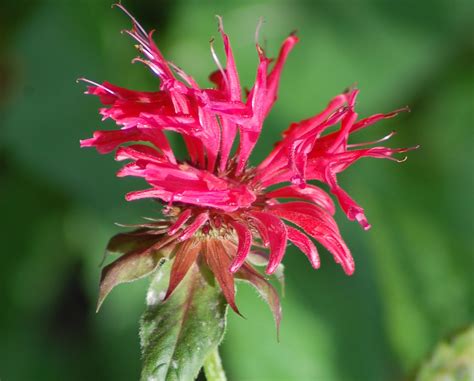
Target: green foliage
<point>177,335</point>
<point>451,361</point>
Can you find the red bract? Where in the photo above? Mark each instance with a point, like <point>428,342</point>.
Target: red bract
<point>220,210</point>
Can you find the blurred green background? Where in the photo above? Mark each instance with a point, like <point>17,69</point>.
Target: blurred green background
<point>413,284</point>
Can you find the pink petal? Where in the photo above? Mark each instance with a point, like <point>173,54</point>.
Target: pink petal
<point>229,130</point>
<point>274,77</point>
<point>277,236</point>
<point>305,244</point>
<point>107,141</point>
<point>180,221</point>
<point>192,228</point>
<point>262,231</point>
<point>139,152</point>
<point>309,192</point>
<point>298,141</point>
<point>307,209</point>
<point>250,131</point>
<point>342,136</point>
<point>245,242</point>
<point>231,69</point>
<point>320,226</point>
<point>350,207</point>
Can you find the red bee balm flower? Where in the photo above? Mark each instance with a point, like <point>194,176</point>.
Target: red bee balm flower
<point>220,212</point>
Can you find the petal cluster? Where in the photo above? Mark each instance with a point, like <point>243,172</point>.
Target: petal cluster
<point>220,211</point>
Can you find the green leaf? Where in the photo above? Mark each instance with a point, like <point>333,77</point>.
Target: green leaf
<point>178,335</point>
<point>451,361</point>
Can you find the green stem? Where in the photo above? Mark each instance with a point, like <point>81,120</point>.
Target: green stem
<point>213,367</point>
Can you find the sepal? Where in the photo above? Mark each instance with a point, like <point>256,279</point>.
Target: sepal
<point>143,256</point>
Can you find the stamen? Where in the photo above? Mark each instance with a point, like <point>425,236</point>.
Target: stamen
<point>155,219</point>
<point>372,142</point>
<point>403,150</point>
<point>220,24</point>
<point>150,64</point>
<point>397,111</point>
<point>350,88</point>
<point>135,22</point>
<point>257,30</point>
<point>400,160</point>
<point>218,63</point>
<point>189,80</point>
<point>144,46</point>
<point>97,85</point>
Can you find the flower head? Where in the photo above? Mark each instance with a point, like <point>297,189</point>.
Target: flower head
<point>219,212</point>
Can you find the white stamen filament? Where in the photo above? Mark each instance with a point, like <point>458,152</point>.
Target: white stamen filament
<point>220,24</point>
<point>218,63</point>
<point>257,30</point>
<point>135,22</point>
<point>373,142</point>
<point>143,42</point>
<point>154,68</point>
<point>98,85</point>
<point>182,74</point>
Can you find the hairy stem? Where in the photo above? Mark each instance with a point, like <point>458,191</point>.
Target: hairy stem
<point>213,367</point>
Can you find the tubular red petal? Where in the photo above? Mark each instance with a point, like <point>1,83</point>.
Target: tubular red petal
<point>231,69</point>
<point>139,152</point>
<point>211,138</point>
<point>107,141</point>
<point>273,79</point>
<point>340,142</point>
<point>305,244</point>
<point>277,236</point>
<point>180,221</point>
<point>250,131</point>
<point>245,242</point>
<point>132,169</point>
<point>304,208</point>
<point>262,231</point>
<point>309,192</point>
<point>192,228</point>
<point>304,134</point>
<point>320,226</point>
<point>161,141</point>
<point>353,211</point>
<point>229,130</point>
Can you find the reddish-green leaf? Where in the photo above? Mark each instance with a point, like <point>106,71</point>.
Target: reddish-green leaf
<point>132,266</point>
<point>264,288</point>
